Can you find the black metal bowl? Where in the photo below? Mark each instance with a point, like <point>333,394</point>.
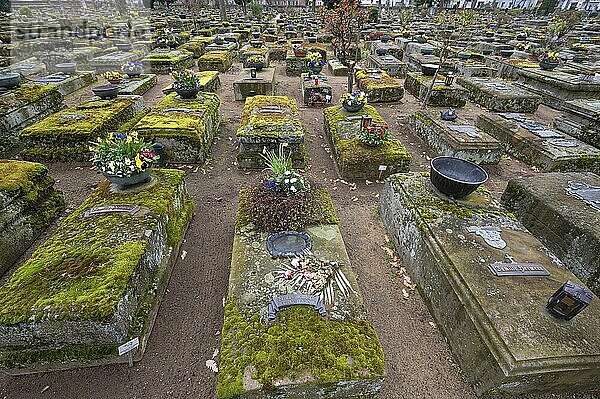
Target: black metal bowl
<point>9,80</point>
<point>429,69</point>
<point>68,68</point>
<point>456,177</point>
<point>107,92</point>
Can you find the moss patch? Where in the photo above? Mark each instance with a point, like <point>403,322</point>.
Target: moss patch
<point>257,121</point>
<point>27,94</point>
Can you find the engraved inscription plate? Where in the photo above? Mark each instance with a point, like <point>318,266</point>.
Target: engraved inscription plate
<point>518,269</point>
<point>586,193</point>
<point>285,301</point>
<point>121,208</point>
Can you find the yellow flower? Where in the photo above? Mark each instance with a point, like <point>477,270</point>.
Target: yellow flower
<point>138,161</point>
<point>129,139</point>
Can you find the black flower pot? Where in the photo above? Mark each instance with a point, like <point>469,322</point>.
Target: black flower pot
<point>107,92</point>
<point>187,94</point>
<point>548,65</point>
<point>506,53</point>
<point>381,51</point>
<point>427,50</point>
<point>352,108</point>
<point>124,182</point>
<point>429,69</point>
<point>312,39</point>
<point>316,69</point>
<point>9,80</point>
<point>456,177</point>
<point>256,65</point>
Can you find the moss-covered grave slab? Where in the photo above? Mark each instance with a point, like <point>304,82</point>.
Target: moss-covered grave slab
<point>215,61</point>
<point>301,354</point>
<point>67,84</point>
<point>295,66</point>
<point>387,63</point>
<point>457,138</point>
<point>246,86</point>
<point>498,328</point>
<point>185,127</point>
<point>248,51</point>
<point>266,123</point>
<point>209,82</point>
<point>539,146</point>
<point>65,135</point>
<point>568,225</point>
<point>278,52</point>
<point>164,62</point>
<point>499,95</point>
<point>137,86</point>
<point>442,95</point>
<point>356,160</point>
<point>23,106</point>
<point>556,87</point>
<point>113,61</point>
<point>28,204</point>
<point>379,86</point>
<point>582,120</point>
<point>97,281</point>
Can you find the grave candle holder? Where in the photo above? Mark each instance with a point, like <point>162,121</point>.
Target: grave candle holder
<point>365,121</point>
<point>253,73</point>
<point>568,301</point>
<point>449,79</point>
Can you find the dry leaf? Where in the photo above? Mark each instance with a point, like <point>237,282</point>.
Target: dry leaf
<point>211,364</point>
<point>183,254</point>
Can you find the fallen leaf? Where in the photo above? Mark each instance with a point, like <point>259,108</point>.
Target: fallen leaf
<point>211,364</point>
<point>183,254</point>
<point>215,353</point>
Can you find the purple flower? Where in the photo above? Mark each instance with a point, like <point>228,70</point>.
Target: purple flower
<point>270,184</point>
<point>121,136</point>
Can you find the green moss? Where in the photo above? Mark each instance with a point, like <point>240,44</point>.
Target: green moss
<point>19,357</point>
<point>84,269</point>
<point>270,124</point>
<point>27,94</point>
<point>299,342</point>
<point>20,175</point>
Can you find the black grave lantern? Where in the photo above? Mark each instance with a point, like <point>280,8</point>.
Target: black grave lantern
<point>449,79</point>
<point>253,73</point>
<point>568,301</point>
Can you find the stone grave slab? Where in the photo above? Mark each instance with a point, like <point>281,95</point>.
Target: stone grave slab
<point>563,211</point>
<point>582,120</point>
<point>65,135</point>
<point>556,87</point>
<point>67,84</point>
<point>209,82</point>
<point>267,361</point>
<point>278,52</point>
<point>137,86</point>
<point>230,47</point>
<point>248,51</point>
<point>28,204</point>
<point>316,89</point>
<point>417,84</point>
<point>92,286</point>
<point>295,66</point>
<point>391,49</point>
<point>497,327</point>
<point>474,69</point>
<point>498,95</point>
<point>336,68</point>
<point>112,61</point>
<point>215,61</point>
<point>266,123</point>
<point>457,138</point>
<point>27,67</point>
<point>379,86</point>
<point>356,160</point>
<point>387,63</point>
<point>163,62</point>
<point>185,127</point>
<point>538,145</point>
<point>263,84</point>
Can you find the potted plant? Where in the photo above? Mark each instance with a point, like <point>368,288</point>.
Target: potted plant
<point>549,60</point>
<point>374,135</point>
<point>132,69</point>
<point>353,102</point>
<point>114,77</point>
<point>186,83</point>
<point>256,61</point>
<point>282,179</point>
<point>124,159</point>
<point>300,51</point>
<point>315,62</point>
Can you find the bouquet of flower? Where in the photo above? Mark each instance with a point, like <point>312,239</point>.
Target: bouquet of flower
<point>550,56</point>
<point>354,99</point>
<point>122,155</point>
<point>374,134</point>
<point>185,79</point>
<point>132,68</point>
<point>315,59</point>
<point>256,59</point>
<point>282,179</point>
<point>113,76</point>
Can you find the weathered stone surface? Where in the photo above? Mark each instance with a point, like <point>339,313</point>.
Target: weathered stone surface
<point>185,127</point>
<point>387,63</point>
<point>137,86</point>
<point>497,327</point>
<point>245,86</point>
<point>65,135</point>
<point>356,160</point>
<point>336,68</point>
<point>498,95</point>
<point>546,153</point>
<point>379,86</point>
<point>163,62</point>
<point>295,66</point>
<point>417,84</point>
<point>315,89</point>
<point>28,203</point>
<point>67,84</point>
<point>582,120</point>
<point>112,61</point>
<point>266,123</point>
<point>215,61</point>
<point>457,138</point>
<point>286,359</point>
<point>566,224</point>
<point>91,286</point>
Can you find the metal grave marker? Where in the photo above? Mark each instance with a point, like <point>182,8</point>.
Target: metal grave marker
<point>120,208</point>
<point>127,349</point>
<point>469,130</point>
<point>586,193</point>
<point>285,301</point>
<point>517,269</point>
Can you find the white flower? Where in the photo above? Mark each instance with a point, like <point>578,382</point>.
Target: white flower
<point>293,189</point>
<point>293,180</point>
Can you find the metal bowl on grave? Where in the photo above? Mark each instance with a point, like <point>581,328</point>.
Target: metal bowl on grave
<point>107,92</point>
<point>456,177</point>
<point>68,68</point>
<point>429,69</point>
<point>506,53</point>
<point>381,51</point>
<point>427,50</point>
<point>9,80</point>
<point>287,244</point>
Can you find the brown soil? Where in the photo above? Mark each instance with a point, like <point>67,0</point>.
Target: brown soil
<point>188,325</point>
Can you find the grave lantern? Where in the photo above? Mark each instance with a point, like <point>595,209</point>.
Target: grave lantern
<point>253,73</point>
<point>449,79</point>
<point>568,301</point>
<point>365,121</point>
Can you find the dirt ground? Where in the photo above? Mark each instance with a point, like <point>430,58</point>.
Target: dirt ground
<point>418,361</point>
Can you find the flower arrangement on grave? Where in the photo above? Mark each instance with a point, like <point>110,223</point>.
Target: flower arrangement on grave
<point>186,83</point>
<point>282,179</point>
<point>489,33</point>
<point>133,69</point>
<point>122,155</point>
<point>580,47</point>
<point>315,60</point>
<point>353,102</point>
<point>375,134</point>
<point>549,60</point>
<point>114,77</point>
<point>256,61</point>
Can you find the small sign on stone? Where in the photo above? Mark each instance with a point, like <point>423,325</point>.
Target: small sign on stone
<point>517,269</point>
<point>121,208</point>
<point>285,301</point>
